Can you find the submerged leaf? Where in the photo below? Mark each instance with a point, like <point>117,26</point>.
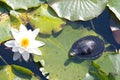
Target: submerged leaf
<point>14,72</point>
<point>45,19</point>
<point>78,9</point>
<point>4,8</point>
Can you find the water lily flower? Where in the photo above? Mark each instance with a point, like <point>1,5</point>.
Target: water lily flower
<point>24,43</point>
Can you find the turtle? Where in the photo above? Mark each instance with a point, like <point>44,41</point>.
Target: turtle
<point>88,47</point>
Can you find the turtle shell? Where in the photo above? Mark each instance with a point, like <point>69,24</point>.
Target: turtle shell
<point>89,47</point>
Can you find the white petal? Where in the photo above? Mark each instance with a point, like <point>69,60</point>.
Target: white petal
<point>17,44</point>
<point>16,56</point>
<point>25,56</point>
<point>23,28</point>
<point>37,44</point>
<point>21,50</point>
<point>15,49</point>
<point>10,43</point>
<point>30,30</point>
<point>15,32</point>
<point>35,32</point>
<point>36,51</point>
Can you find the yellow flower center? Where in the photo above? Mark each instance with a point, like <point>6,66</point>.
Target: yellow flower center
<point>25,42</point>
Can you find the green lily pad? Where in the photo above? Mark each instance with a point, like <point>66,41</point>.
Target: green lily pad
<point>22,4</point>
<point>14,72</point>
<point>6,23</point>
<point>114,6</point>
<point>45,19</point>
<point>109,63</point>
<point>15,19</point>
<point>4,28</point>
<point>95,70</point>
<point>88,77</point>
<point>55,54</point>
<point>78,9</point>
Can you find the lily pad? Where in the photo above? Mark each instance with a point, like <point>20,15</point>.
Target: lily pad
<point>4,28</point>
<point>88,77</point>
<point>14,72</point>
<point>78,9</point>
<point>22,4</point>
<point>45,19</point>
<point>6,23</point>
<point>95,70</point>
<point>55,54</point>
<point>109,63</point>
<point>114,6</point>
<point>15,19</point>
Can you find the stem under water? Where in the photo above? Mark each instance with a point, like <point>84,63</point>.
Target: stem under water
<point>92,25</point>
<point>3,60</point>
